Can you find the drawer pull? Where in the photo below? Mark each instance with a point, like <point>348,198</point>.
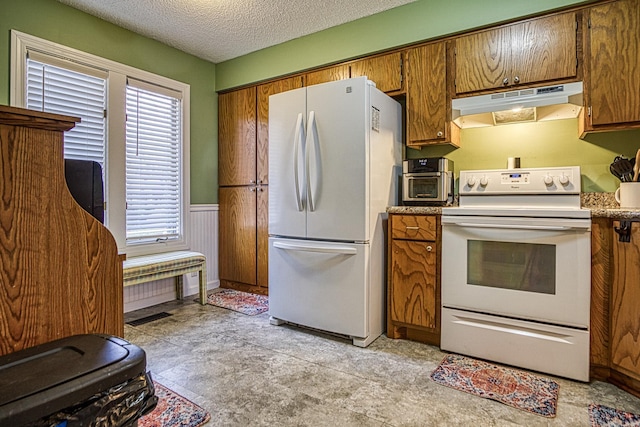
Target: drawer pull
<point>412,228</point>
<point>429,248</point>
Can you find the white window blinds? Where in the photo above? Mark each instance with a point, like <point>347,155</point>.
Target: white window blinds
<point>153,170</point>
<point>73,90</point>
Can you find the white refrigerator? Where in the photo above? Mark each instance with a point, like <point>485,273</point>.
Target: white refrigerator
<point>334,165</point>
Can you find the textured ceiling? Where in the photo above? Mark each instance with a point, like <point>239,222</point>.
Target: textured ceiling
<point>217,30</point>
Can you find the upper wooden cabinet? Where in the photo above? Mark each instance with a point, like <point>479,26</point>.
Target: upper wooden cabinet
<point>339,72</point>
<point>385,71</point>
<point>538,50</point>
<point>237,137</point>
<point>428,104</point>
<point>612,74</point>
<point>262,144</point>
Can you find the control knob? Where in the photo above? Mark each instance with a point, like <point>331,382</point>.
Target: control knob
<point>564,179</point>
<point>471,181</point>
<point>484,181</point>
<point>548,180</point>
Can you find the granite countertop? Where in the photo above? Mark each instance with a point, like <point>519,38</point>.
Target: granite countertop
<point>602,205</point>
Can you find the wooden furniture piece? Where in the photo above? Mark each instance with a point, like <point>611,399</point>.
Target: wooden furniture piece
<point>384,70</point>
<point>615,292</point>
<point>533,51</point>
<point>147,268</point>
<point>612,74</point>
<point>413,293</point>
<point>243,195</point>
<point>428,99</point>
<point>60,272</point>
<point>339,72</point>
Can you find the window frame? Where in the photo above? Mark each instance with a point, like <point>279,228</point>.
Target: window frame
<point>115,150</point>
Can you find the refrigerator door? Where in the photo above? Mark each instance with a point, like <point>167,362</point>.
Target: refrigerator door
<point>337,155</point>
<point>287,201</point>
<point>322,285</point>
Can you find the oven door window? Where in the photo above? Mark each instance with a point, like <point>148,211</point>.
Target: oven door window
<point>424,188</point>
<point>528,267</point>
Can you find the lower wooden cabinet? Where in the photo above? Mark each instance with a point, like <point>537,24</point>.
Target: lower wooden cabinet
<point>413,297</point>
<point>615,303</point>
<point>625,306</point>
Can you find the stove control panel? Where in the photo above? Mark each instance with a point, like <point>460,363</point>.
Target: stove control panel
<point>560,180</point>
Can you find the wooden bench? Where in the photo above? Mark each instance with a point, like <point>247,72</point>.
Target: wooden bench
<point>147,268</point>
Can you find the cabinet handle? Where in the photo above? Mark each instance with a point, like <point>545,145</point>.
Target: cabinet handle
<point>516,79</point>
<point>505,81</point>
<point>439,134</point>
<point>252,181</point>
<point>252,189</point>
<point>429,248</point>
<point>412,228</point>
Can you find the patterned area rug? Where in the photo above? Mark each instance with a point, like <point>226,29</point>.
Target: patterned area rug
<point>242,302</point>
<point>173,410</point>
<point>518,389</point>
<point>604,416</point>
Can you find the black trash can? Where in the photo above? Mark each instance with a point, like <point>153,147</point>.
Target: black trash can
<point>83,380</point>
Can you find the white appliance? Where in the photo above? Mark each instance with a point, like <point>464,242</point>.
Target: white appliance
<point>334,165</point>
<point>516,270</point>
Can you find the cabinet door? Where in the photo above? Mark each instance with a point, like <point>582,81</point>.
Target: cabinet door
<point>613,50</point>
<point>625,303</point>
<point>339,72</point>
<point>544,49</point>
<point>237,234</point>
<point>262,237</point>
<point>483,60</point>
<point>534,51</point>
<point>385,71</point>
<point>413,277</point>
<point>237,137</point>
<point>262,145</point>
<point>428,109</point>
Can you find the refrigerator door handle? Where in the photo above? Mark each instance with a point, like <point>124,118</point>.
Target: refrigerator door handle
<point>312,132</point>
<point>297,147</point>
<point>340,250</point>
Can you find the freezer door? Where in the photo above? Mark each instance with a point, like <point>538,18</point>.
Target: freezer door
<point>338,158</point>
<point>323,285</point>
<point>287,202</point>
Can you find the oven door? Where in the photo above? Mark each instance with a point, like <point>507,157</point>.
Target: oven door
<point>426,187</point>
<point>525,268</point>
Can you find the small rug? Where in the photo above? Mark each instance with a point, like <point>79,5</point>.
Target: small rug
<point>518,389</point>
<point>604,416</point>
<point>173,410</point>
<point>242,302</point>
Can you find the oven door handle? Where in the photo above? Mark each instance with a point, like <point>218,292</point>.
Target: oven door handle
<point>521,227</point>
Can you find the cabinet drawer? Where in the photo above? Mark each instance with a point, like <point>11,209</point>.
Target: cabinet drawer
<point>414,227</point>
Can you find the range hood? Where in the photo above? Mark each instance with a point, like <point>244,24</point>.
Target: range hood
<point>555,102</point>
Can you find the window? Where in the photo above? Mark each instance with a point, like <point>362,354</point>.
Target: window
<point>134,123</point>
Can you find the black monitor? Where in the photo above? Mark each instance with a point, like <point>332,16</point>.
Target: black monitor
<point>84,179</point>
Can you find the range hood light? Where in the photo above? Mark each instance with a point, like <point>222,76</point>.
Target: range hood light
<point>536,104</point>
<point>515,115</point>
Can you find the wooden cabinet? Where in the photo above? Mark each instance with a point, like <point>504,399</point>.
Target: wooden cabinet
<point>413,306</point>
<point>243,144</point>
<point>612,74</point>
<point>615,303</point>
<point>262,173</point>
<point>339,72</point>
<point>428,104</point>
<point>625,305</point>
<point>237,137</point>
<point>534,51</point>
<point>384,70</point>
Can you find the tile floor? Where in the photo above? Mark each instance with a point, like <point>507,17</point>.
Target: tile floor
<point>246,372</point>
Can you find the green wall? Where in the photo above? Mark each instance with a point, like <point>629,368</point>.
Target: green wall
<point>62,24</point>
<point>538,145</point>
